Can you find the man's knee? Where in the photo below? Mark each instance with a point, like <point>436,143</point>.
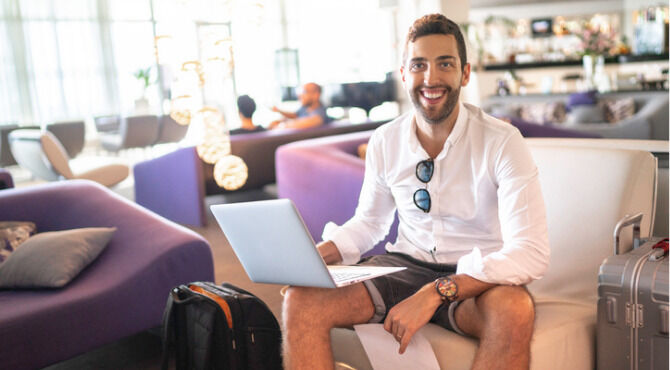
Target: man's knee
<point>327,307</point>
<point>508,306</point>
<point>300,300</point>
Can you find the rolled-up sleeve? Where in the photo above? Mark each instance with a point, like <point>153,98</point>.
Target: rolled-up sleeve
<point>524,256</point>
<point>374,213</point>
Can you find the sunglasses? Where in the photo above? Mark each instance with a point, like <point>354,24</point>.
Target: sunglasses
<point>424,172</point>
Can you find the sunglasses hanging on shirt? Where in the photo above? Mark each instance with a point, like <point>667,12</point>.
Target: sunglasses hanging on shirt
<point>424,172</point>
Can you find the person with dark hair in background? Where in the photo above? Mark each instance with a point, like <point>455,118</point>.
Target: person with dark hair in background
<point>312,113</point>
<point>472,230</point>
<point>246,107</point>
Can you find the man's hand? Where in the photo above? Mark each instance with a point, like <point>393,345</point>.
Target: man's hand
<point>329,252</point>
<point>274,124</point>
<point>410,315</point>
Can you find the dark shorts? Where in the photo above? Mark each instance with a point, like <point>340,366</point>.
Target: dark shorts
<point>388,290</point>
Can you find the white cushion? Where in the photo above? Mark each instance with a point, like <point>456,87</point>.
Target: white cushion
<point>587,191</point>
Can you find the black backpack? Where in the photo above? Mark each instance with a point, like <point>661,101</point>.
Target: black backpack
<point>208,326</point>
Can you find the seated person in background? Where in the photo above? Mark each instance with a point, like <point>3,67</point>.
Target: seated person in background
<point>311,114</point>
<point>246,106</point>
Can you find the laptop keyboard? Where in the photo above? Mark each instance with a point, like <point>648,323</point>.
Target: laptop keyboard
<point>340,276</point>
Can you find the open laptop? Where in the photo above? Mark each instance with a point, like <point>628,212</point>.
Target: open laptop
<point>274,246</point>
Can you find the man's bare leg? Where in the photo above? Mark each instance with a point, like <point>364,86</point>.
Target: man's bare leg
<point>503,319</point>
<point>308,316</point>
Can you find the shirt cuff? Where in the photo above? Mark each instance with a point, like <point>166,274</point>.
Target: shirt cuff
<point>345,245</point>
<point>472,264</point>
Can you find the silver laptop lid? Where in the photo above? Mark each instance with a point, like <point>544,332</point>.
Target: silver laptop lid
<point>273,243</point>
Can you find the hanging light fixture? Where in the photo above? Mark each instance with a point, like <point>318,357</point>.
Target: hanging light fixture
<point>208,129</point>
<point>230,172</point>
<point>181,108</point>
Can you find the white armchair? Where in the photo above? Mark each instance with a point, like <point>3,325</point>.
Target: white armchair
<point>587,191</point>
<point>44,156</point>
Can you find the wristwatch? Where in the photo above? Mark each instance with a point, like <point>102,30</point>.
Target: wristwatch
<point>447,289</point>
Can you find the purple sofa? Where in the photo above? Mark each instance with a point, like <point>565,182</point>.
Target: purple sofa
<point>121,293</point>
<point>174,186</point>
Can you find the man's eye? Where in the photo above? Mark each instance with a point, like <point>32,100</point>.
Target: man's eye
<point>417,66</point>
<point>446,64</point>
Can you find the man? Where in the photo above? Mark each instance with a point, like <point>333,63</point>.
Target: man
<point>311,114</point>
<point>472,226</point>
<point>246,106</point>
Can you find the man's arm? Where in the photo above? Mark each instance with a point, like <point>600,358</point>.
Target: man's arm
<point>410,315</point>
<point>329,252</point>
<point>286,114</point>
<point>304,122</point>
<point>374,214</point>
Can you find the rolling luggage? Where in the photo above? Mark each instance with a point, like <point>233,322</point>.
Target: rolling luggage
<point>632,329</point>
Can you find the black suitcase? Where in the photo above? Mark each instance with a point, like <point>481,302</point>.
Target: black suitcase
<point>632,328</point>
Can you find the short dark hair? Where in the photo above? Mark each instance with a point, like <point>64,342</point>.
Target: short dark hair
<point>246,106</point>
<point>433,24</point>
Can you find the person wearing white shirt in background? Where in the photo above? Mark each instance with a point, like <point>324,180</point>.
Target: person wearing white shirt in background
<point>472,226</point>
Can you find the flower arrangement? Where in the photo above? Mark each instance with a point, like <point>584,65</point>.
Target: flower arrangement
<point>596,42</point>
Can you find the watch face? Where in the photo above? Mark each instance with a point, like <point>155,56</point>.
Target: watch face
<point>446,287</point>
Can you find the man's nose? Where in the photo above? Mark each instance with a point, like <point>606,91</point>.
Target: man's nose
<point>430,76</point>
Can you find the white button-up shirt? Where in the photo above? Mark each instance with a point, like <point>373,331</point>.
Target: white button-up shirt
<point>487,212</point>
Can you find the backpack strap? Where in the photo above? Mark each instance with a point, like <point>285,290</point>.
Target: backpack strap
<point>167,331</point>
<point>174,314</point>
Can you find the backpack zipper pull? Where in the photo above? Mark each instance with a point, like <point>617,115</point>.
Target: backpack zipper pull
<point>253,340</point>
<point>234,347</point>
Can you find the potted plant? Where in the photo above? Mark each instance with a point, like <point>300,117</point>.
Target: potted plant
<point>143,75</point>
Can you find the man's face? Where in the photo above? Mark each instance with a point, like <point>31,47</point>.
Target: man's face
<point>309,95</point>
<point>433,76</point>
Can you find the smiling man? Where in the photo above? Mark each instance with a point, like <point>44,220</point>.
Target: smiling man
<point>472,226</point>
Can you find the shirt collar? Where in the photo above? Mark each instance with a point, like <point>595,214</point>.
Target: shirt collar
<point>454,136</point>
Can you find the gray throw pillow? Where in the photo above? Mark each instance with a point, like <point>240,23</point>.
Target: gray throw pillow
<point>53,259</point>
<point>586,114</point>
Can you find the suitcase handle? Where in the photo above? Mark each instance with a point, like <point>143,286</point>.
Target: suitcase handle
<point>634,220</point>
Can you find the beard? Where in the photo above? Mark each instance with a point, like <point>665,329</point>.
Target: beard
<point>438,114</point>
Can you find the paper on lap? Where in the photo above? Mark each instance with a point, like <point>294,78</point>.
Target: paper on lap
<point>382,349</point>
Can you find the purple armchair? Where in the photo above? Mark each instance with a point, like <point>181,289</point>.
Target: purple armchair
<point>121,293</point>
<point>314,172</point>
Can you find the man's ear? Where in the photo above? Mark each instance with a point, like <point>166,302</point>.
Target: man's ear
<point>466,75</point>
<point>402,73</point>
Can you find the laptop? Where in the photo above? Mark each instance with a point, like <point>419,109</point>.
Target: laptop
<point>274,246</point>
